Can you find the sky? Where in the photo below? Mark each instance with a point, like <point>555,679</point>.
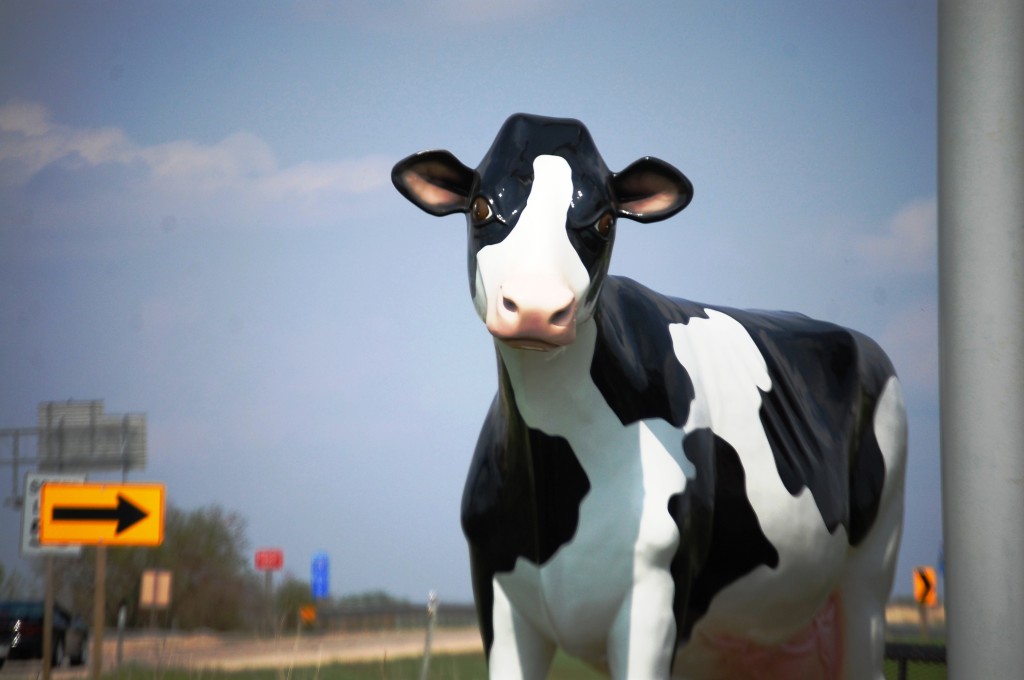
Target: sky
<point>197,223</point>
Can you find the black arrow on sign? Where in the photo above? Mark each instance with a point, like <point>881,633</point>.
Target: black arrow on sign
<point>125,513</point>
<point>927,582</point>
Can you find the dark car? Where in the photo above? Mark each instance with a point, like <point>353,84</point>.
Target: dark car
<point>21,633</point>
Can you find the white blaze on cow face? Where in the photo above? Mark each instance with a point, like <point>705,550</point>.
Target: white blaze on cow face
<point>529,286</point>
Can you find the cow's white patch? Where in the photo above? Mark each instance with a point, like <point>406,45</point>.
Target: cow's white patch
<point>576,598</point>
<point>538,247</point>
<point>769,605</point>
<point>869,574</point>
<point>519,650</point>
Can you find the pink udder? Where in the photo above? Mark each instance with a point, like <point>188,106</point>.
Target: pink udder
<point>815,653</point>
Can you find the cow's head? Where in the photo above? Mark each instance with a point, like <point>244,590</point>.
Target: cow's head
<point>541,208</point>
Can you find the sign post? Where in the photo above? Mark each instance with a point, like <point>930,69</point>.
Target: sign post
<point>319,582</point>
<point>155,592</point>
<point>320,576</point>
<point>30,546</point>
<point>99,611</point>
<point>101,515</point>
<point>31,513</point>
<point>77,436</point>
<point>926,594</point>
<point>307,614</point>
<point>269,560</point>
<point>48,620</point>
<point>432,603</point>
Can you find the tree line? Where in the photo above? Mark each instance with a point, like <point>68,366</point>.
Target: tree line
<point>214,584</point>
<point>205,550</point>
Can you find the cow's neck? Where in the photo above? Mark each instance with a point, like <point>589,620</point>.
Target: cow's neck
<point>559,380</point>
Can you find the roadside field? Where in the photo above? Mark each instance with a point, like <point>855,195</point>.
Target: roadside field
<point>395,655</point>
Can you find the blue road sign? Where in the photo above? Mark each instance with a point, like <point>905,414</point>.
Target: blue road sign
<point>320,580</point>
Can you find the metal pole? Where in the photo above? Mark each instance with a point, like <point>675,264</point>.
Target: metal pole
<point>432,603</point>
<point>981,313</point>
<point>48,620</point>
<point>98,613</point>
<point>14,474</point>
<point>124,448</point>
<point>122,621</point>
<point>267,588</point>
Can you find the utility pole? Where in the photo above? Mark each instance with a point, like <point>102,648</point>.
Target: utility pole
<point>981,318</point>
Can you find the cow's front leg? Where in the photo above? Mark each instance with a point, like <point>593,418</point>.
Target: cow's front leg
<point>519,650</point>
<point>643,635</point>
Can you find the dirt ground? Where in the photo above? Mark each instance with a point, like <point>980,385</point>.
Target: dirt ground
<point>233,652</point>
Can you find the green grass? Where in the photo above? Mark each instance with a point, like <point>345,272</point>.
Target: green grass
<point>916,671</point>
<point>442,667</point>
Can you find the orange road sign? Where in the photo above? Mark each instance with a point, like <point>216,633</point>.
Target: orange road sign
<point>97,513</point>
<point>925,586</point>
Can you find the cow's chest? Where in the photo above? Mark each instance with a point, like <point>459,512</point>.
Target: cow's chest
<point>624,529</point>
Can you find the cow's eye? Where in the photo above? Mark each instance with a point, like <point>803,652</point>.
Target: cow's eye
<point>605,224</point>
<point>480,211</point>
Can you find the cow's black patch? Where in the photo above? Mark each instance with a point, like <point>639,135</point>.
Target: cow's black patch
<point>817,416</point>
<point>636,369</point>
<point>693,512</point>
<point>867,465</point>
<point>635,366</point>
<point>724,537</point>
<point>522,498</point>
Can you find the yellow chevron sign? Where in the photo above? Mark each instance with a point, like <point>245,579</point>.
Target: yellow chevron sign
<point>96,513</point>
<point>925,586</point>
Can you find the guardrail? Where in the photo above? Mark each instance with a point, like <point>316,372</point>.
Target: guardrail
<point>393,617</point>
<point>903,653</point>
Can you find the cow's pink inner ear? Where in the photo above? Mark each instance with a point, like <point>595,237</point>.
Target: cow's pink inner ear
<point>663,200</point>
<point>429,193</point>
<point>650,190</point>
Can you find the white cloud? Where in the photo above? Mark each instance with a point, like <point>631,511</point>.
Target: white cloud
<point>230,161</point>
<point>908,243</point>
<point>350,176</point>
<point>241,165</point>
<point>433,15</point>
<point>31,141</point>
<point>28,118</point>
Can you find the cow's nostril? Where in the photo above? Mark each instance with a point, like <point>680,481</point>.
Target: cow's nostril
<point>509,305</point>
<point>562,316</point>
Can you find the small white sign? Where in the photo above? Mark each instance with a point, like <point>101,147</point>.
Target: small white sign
<point>155,591</point>
<point>30,545</point>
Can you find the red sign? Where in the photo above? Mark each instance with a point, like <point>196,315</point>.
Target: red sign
<point>269,559</point>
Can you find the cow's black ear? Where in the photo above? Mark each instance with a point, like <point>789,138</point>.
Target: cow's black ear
<point>436,181</point>
<point>650,190</point>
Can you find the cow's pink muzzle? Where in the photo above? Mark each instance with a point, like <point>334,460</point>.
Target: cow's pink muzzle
<point>533,313</point>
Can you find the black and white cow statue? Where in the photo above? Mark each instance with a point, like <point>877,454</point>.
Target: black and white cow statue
<point>661,486</point>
